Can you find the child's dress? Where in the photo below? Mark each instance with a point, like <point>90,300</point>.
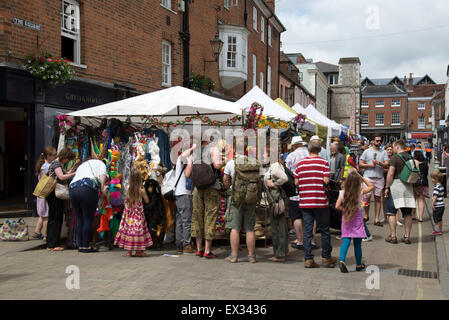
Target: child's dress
<point>133,231</point>
<point>354,228</point>
<point>41,204</point>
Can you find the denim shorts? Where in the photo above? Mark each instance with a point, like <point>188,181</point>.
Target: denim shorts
<point>390,210</point>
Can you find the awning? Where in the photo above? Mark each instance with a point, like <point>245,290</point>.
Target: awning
<point>421,135</point>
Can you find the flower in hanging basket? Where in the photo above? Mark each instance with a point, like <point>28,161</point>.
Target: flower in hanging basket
<point>46,68</point>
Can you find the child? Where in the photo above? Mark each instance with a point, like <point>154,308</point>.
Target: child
<point>133,231</point>
<point>42,165</point>
<point>438,202</point>
<point>352,225</point>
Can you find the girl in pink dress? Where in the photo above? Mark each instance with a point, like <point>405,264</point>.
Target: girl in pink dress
<point>42,165</point>
<point>352,226</point>
<point>133,232</point>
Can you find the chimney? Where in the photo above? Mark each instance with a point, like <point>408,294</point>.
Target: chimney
<point>300,58</point>
<point>405,83</point>
<point>410,82</point>
<point>270,3</point>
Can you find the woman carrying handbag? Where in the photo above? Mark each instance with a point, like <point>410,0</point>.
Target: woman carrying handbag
<point>56,205</point>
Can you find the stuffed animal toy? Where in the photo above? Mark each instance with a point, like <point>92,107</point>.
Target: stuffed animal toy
<point>154,152</point>
<point>140,163</point>
<point>115,196</point>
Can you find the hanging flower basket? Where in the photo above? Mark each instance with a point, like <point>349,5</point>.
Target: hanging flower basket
<point>201,83</point>
<point>51,70</point>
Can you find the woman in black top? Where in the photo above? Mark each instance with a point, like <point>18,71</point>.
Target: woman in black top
<point>421,187</point>
<point>56,205</point>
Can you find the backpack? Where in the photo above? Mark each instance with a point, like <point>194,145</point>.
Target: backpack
<point>410,172</point>
<point>289,187</point>
<point>203,175</point>
<point>246,185</point>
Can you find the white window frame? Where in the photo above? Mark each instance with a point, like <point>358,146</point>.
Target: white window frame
<point>269,81</point>
<point>423,126</point>
<point>395,105</point>
<point>255,18</point>
<point>73,33</point>
<point>230,3</point>
<point>269,35</point>
<point>261,81</point>
<point>365,105</point>
<point>254,70</point>
<point>398,117</point>
<point>166,63</point>
<point>166,4</point>
<point>421,104</point>
<point>226,4</point>
<point>380,105</point>
<point>364,116</point>
<point>383,119</point>
<point>262,29</point>
<point>234,44</point>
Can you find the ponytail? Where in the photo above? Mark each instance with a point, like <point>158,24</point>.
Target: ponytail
<point>48,151</point>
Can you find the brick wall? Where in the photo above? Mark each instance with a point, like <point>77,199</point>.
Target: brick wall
<point>387,110</point>
<point>121,40</point>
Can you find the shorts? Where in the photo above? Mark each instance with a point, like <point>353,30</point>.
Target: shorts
<point>379,185</point>
<point>241,218</point>
<point>392,211</point>
<point>438,214</point>
<point>294,212</point>
<point>206,203</point>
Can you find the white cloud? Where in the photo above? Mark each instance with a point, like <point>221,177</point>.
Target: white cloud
<point>322,21</point>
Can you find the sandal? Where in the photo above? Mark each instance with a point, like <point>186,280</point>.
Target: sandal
<point>378,223</point>
<point>55,249</point>
<point>360,268</point>
<point>37,236</point>
<point>275,259</point>
<point>406,240</point>
<point>141,254</point>
<point>129,255</point>
<point>391,239</point>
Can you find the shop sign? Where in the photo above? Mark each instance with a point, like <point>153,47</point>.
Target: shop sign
<point>27,24</point>
<point>82,98</point>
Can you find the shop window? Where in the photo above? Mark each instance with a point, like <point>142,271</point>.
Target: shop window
<point>70,31</point>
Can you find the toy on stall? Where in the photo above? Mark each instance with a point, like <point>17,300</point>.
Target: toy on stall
<point>115,194</point>
<point>140,163</point>
<point>106,212</point>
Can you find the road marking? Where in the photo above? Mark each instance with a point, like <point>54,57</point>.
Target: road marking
<point>420,294</point>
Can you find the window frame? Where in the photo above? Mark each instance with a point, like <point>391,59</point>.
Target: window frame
<point>395,105</point>
<point>269,81</point>
<point>269,34</point>
<point>421,103</point>
<point>74,35</point>
<point>255,18</point>
<point>392,117</point>
<point>228,51</point>
<point>261,80</point>
<point>362,116</point>
<point>380,106</point>
<point>365,106</point>
<point>166,6</point>
<point>418,122</point>
<point>383,119</point>
<point>166,44</point>
<point>262,29</point>
<point>254,70</point>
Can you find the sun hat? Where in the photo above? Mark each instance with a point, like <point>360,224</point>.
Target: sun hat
<point>315,138</point>
<point>297,139</point>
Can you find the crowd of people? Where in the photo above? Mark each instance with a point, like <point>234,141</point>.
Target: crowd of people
<point>297,193</point>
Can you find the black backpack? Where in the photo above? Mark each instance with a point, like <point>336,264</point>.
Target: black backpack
<point>289,187</point>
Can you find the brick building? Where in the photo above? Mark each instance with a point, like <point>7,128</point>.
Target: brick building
<point>250,32</point>
<point>290,88</point>
<point>407,109</point>
<point>115,53</point>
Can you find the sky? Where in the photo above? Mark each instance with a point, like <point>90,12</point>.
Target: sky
<point>391,37</point>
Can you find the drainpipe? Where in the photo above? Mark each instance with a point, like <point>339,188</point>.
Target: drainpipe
<point>245,20</point>
<point>185,36</point>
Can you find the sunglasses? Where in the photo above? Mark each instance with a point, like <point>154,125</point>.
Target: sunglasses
<point>378,140</point>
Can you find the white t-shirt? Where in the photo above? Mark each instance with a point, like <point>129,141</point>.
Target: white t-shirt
<point>85,171</point>
<point>181,187</point>
<point>230,170</point>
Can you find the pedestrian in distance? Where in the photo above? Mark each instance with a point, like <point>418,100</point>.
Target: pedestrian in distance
<point>42,165</point>
<point>421,187</point>
<point>352,224</point>
<point>438,202</point>
<point>445,163</point>
<point>133,232</point>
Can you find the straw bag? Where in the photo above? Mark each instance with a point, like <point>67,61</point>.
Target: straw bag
<point>45,186</point>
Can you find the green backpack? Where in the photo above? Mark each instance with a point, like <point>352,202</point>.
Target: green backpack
<point>410,172</point>
<point>246,184</point>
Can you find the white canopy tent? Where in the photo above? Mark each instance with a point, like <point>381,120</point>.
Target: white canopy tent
<point>314,114</point>
<point>270,108</point>
<point>172,104</point>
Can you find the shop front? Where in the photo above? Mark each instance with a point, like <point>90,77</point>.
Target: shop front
<point>28,111</point>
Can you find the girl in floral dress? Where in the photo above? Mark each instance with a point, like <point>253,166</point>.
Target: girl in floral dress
<point>133,232</point>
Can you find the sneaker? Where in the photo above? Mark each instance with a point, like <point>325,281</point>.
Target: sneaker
<point>209,255</point>
<point>370,238</point>
<point>437,233</point>
<point>232,259</point>
<point>252,259</point>
<point>382,220</point>
<point>297,245</point>
<point>343,268</point>
<point>188,249</point>
<point>199,254</point>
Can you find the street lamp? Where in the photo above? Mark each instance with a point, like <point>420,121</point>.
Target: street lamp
<point>216,45</point>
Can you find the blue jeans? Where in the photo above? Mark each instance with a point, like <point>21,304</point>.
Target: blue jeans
<point>357,249</point>
<point>368,234</point>
<point>84,202</point>
<point>322,220</point>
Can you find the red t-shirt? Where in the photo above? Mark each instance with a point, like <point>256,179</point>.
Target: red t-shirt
<point>310,173</point>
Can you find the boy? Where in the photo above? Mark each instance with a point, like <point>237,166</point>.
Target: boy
<point>438,202</point>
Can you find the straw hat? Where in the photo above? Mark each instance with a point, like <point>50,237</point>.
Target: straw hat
<point>315,138</point>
